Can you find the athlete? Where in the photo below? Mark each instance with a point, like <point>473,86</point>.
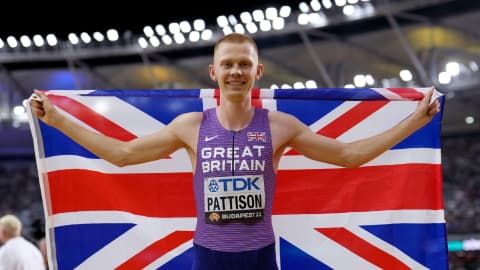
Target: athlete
<point>235,150</point>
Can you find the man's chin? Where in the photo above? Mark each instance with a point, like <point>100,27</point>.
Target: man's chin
<point>237,88</point>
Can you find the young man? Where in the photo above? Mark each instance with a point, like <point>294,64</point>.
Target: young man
<point>16,252</point>
<point>234,228</point>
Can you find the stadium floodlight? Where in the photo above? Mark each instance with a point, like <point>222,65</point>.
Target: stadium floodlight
<point>112,35</point>
<point>271,13</point>
<point>405,75</point>
<point>199,25</point>
<point>370,80</point>
<point>232,20</point>
<point>154,41</point>
<point>298,85</point>
<point>473,66</point>
<point>304,8</point>
<point>359,80</point>
<point>12,42</point>
<point>160,29</point>
<point>174,28</point>
<point>148,31</point>
<point>315,5</point>
<point>258,15</point>
<point>317,19</point>
<point>25,41</point>
<point>207,34</point>
<point>194,36</point>
<point>340,3</point>
<point>85,37</point>
<point>311,84</point>
<point>38,40</point>
<point>278,23</point>
<point>222,21</point>
<point>470,120</point>
<point>227,30</point>
<point>327,4</point>
<point>142,42</point>
<point>239,28</point>
<point>265,26</point>
<point>303,19</point>
<point>167,40</point>
<point>348,10</point>
<point>246,17</point>
<point>179,38</point>
<point>444,77</point>
<point>453,68</point>
<point>285,11</point>
<point>73,38</point>
<point>185,26</point>
<point>52,40</point>
<point>98,36</point>
<point>251,27</point>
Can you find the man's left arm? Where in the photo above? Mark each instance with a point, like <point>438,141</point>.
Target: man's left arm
<point>354,154</point>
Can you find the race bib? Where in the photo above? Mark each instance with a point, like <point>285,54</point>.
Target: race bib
<point>234,199</point>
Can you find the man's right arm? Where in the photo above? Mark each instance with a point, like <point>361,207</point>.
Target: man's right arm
<point>143,149</point>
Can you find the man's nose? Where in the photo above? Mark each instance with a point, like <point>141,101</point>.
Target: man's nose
<point>236,70</point>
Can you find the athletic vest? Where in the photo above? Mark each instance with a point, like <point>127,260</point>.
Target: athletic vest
<point>234,183</point>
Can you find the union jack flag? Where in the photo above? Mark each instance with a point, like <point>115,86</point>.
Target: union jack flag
<point>256,136</point>
<point>387,214</point>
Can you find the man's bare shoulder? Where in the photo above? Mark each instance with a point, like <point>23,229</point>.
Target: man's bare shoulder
<point>186,126</point>
<point>190,118</point>
<point>277,117</point>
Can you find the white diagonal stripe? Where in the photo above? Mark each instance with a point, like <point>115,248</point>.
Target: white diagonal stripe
<point>121,113</point>
<point>170,255</point>
<point>390,157</point>
<point>387,247</point>
<point>178,163</point>
<point>388,94</point>
<point>382,119</point>
<point>147,231</point>
<point>363,218</point>
<point>319,246</point>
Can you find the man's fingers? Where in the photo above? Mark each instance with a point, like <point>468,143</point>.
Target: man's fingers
<point>433,95</point>
<point>434,107</point>
<point>35,97</point>
<point>37,111</point>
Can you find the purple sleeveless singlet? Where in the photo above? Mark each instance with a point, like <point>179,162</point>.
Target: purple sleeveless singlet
<point>234,183</point>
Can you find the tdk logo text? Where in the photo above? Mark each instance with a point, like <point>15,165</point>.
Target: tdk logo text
<point>234,184</point>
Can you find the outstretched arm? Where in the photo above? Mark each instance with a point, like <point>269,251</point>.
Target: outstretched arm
<point>356,153</point>
<point>120,153</point>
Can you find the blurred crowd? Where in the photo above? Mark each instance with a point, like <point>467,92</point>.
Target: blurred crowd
<point>20,195</point>
<point>461,183</point>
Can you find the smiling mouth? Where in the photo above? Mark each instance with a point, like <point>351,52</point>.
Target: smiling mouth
<point>235,83</point>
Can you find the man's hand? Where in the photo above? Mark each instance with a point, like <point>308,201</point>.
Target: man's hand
<point>43,108</point>
<point>427,108</point>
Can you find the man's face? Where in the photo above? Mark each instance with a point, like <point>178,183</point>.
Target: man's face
<point>235,67</point>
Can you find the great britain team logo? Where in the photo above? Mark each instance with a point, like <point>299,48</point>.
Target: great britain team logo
<point>257,136</point>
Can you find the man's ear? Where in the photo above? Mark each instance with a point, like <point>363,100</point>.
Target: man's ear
<point>211,71</point>
<point>259,72</point>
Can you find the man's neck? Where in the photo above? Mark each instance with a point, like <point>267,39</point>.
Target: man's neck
<point>235,115</point>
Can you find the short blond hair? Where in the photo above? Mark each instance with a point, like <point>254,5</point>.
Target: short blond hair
<point>236,38</point>
<point>10,225</point>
